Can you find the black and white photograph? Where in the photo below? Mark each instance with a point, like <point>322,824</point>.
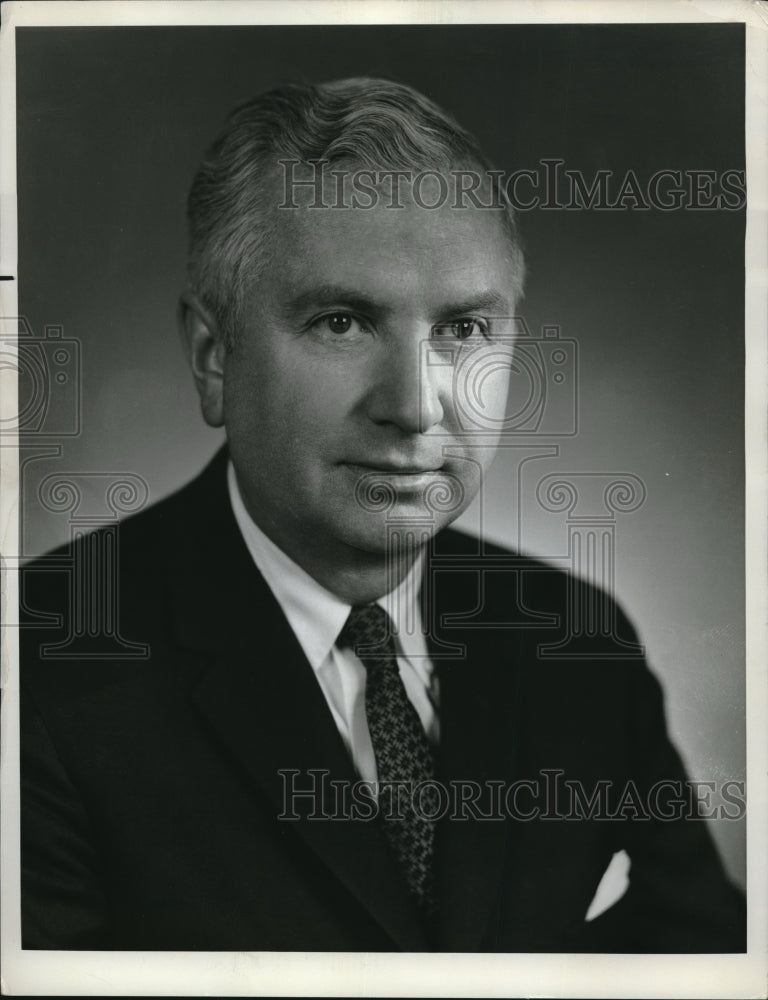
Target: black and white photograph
<point>383,499</point>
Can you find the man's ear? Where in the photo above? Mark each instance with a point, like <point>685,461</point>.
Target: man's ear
<point>205,351</point>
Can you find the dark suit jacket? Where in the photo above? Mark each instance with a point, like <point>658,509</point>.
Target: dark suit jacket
<point>151,786</point>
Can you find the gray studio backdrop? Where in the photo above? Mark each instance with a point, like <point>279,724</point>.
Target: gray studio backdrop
<point>648,303</point>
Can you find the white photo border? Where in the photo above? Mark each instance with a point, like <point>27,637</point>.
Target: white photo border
<point>322,974</point>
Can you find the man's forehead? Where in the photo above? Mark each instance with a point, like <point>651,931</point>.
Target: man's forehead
<point>376,276</point>
<point>412,244</point>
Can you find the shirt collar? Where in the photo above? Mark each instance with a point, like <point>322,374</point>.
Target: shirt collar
<point>315,614</point>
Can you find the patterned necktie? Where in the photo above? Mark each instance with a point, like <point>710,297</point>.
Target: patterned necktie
<point>400,746</point>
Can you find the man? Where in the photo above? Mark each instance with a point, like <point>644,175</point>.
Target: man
<point>345,733</point>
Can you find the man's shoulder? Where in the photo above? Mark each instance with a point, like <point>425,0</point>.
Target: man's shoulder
<point>575,616</point>
<point>184,513</point>
<point>136,555</point>
<point>463,551</point>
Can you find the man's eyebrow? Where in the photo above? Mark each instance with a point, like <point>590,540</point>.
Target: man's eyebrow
<point>330,294</point>
<point>490,301</point>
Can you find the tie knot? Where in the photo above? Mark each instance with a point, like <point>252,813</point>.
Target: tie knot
<point>367,632</point>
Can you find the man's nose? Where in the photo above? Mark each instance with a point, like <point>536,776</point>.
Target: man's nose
<point>408,391</point>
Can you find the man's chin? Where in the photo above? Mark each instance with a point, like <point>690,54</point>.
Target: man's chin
<point>404,527</point>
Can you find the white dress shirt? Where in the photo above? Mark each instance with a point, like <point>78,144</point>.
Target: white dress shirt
<point>317,617</point>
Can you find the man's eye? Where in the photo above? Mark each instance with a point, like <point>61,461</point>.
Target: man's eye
<point>462,329</point>
<point>339,323</point>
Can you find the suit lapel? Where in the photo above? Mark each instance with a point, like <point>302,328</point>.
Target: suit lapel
<point>257,692</point>
<point>476,693</point>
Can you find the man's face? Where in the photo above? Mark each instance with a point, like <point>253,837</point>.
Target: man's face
<point>340,394</point>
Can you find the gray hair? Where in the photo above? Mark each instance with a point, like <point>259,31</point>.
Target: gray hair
<point>373,123</point>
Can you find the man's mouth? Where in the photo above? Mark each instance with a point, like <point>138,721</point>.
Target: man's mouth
<point>402,477</point>
<point>388,468</point>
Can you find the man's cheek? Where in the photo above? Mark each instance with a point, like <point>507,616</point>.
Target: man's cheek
<point>306,384</point>
<point>495,394</point>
